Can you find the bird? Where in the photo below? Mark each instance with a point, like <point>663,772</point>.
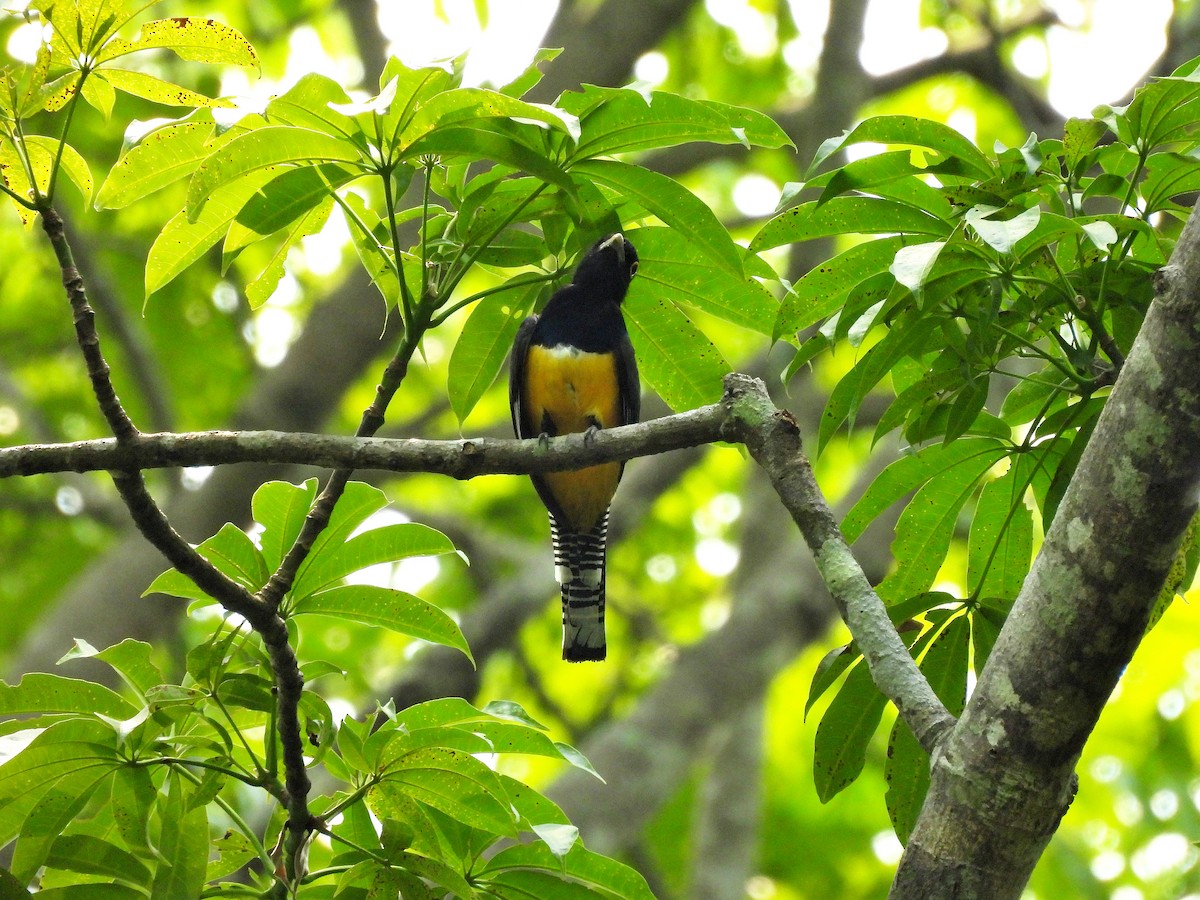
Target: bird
<point>573,370</point>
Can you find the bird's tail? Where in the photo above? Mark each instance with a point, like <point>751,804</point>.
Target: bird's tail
<point>579,568</point>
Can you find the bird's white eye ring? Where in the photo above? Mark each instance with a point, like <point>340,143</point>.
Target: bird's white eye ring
<point>633,267</point>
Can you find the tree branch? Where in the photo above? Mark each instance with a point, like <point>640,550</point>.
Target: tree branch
<point>460,459</point>
<point>745,415</point>
<point>155,527</point>
<point>774,442</point>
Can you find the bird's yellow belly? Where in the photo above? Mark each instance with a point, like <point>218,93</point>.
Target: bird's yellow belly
<point>575,390</point>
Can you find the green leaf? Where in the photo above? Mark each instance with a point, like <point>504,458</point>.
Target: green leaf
<point>840,747</point>
<point>1167,176</point>
<point>451,782</point>
<point>674,270</point>
<point>395,610</point>
<point>602,875</point>
<point>378,545</point>
<point>674,356</point>
<point>907,766</point>
<point>140,84</point>
<point>927,524</point>
<point>910,472</point>
<point>433,870</point>
<point>1079,139</point>
<point>92,892</point>
<point>260,289</point>
<point>280,508</point>
<point>835,663</point>
<point>822,291</point>
<point>72,163</point>
<point>100,95</point>
<point>672,203</point>
<point>495,140</point>
<point>916,397</point>
<point>130,659</point>
<point>528,79</point>
<point>309,103</point>
<point>271,145</point>
<point>879,174</point>
<point>182,846</point>
<point>986,621</point>
<point>159,158</point>
<point>373,249</point>
<point>234,850</point>
<point>75,748</point>
<point>903,339</point>
<point>182,242</point>
<point>57,806</point>
<point>286,198</point>
<point>199,40</point>
<point>484,342</point>
<point>131,801</point>
<point>359,501</point>
<point>1001,541</point>
<point>39,692</point>
<point>92,856</point>
<point>913,131</point>
<point>231,551</point>
<point>846,215</point>
<point>622,120</point>
<point>473,104</point>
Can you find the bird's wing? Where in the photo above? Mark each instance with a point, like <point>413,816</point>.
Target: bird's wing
<point>629,386</point>
<point>516,378</point>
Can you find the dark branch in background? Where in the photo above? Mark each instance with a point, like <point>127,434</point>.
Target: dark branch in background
<point>155,527</point>
<point>602,42</point>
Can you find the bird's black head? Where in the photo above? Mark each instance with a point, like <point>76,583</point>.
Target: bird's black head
<point>607,268</point>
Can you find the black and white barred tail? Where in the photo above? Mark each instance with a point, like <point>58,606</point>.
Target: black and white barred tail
<point>579,568</point>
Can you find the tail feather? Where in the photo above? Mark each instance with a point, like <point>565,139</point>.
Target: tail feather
<point>579,568</point>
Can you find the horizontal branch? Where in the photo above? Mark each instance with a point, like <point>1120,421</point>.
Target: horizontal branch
<point>745,415</point>
<point>461,459</point>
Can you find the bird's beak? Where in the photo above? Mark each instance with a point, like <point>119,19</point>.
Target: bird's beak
<point>617,241</point>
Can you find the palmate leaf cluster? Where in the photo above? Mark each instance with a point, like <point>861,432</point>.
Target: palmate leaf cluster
<point>115,792</point>
<point>1000,304</point>
<point>121,793</point>
<point>506,190</point>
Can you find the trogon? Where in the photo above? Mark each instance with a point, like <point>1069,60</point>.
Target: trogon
<point>573,370</point>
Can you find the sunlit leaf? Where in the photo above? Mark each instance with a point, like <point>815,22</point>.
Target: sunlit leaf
<point>484,342</point>
<point>386,608</point>
<point>272,145</point>
<point>823,289</point>
<point>200,40</point>
<point>148,87</point>
<point>672,203</point>
<point>388,543</point>
<point>674,356</point>
<point>673,269</point>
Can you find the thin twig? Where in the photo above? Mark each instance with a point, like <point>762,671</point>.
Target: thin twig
<point>154,525</point>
